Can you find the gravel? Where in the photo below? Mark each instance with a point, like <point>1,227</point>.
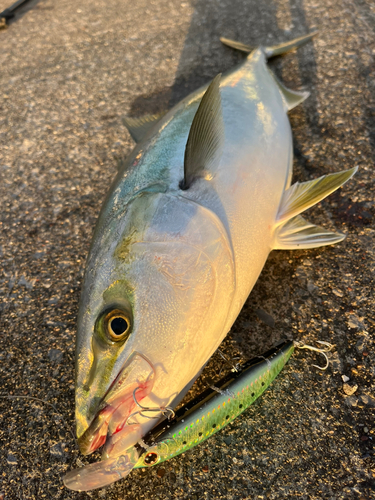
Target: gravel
<point>69,72</point>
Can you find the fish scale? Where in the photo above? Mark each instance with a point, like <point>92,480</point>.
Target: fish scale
<point>215,408</point>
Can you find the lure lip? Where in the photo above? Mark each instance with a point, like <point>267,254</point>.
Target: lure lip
<point>100,474</point>
<point>118,403</point>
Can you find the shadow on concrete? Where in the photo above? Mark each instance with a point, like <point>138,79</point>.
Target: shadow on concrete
<point>203,55</point>
<point>17,10</point>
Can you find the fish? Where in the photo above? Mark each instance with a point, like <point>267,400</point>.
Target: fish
<point>180,241</point>
<point>194,422</point>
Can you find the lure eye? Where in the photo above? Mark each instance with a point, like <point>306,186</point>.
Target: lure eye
<point>151,458</point>
<point>117,325</point>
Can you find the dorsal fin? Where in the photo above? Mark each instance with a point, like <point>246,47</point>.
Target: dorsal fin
<point>206,136</point>
<point>138,127</point>
<point>291,97</point>
<point>301,196</point>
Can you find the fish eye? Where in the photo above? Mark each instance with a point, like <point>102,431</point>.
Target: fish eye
<point>151,458</point>
<point>117,324</point>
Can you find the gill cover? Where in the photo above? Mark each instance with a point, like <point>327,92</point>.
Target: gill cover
<point>171,265</point>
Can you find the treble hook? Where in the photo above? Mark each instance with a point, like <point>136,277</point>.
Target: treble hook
<point>163,409</point>
<point>328,348</point>
<point>234,367</point>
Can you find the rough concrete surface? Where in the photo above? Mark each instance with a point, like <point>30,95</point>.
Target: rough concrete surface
<point>69,71</point>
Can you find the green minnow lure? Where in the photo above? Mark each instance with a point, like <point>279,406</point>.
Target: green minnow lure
<point>192,424</point>
<point>214,408</point>
<point>195,422</point>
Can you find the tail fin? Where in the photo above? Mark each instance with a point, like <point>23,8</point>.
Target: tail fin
<point>274,50</point>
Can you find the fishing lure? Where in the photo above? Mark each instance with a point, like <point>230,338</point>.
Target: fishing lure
<point>196,421</point>
<point>214,408</point>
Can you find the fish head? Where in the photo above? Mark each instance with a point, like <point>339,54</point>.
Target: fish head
<point>157,290</point>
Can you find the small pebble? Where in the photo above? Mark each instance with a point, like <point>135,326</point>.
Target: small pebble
<point>311,287</point>
<point>367,400</point>
<point>364,438</point>
<point>12,459</point>
<point>57,451</point>
<point>265,317</point>
<point>365,429</point>
<point>345,378</point>
<point>160,473</point>
<point>55,355</point>
<point>205,468</point>
<point>351,401</point>
<point>228,440</point>
<point>361,343</point>
<point>350,389</point>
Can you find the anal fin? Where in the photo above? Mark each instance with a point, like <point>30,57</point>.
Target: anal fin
<point>298,233</point>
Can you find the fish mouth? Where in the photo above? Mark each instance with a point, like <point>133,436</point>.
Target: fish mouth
<point>112,424</point>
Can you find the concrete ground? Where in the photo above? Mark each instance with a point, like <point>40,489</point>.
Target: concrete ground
<point>69,72</point>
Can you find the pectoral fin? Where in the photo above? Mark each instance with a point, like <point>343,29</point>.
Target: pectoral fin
<point>298,233</point>
<point>206,136</point>
<point>138,127</point>
<point>301,196</point>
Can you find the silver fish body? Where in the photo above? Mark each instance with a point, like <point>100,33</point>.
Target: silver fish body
<point>175,266</point>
